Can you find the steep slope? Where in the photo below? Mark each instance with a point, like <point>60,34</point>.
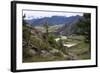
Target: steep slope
<point>69,28</point>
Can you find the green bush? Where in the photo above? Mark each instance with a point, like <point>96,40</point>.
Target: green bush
<point>58,54</point>
<point>51,41</point>
<point>26,33</point>
<point>39,43</point>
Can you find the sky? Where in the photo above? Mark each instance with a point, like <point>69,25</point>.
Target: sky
<point>40,14</point>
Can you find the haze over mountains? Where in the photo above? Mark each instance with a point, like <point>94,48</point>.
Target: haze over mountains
<point>54,20</point>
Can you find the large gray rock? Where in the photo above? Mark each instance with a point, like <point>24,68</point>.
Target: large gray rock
<point>33,52</point>
<point>54,51</point>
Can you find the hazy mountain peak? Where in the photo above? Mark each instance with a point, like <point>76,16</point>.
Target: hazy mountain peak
<point>54,20</point>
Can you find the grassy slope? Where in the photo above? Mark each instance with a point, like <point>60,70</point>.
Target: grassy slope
<point>82,49</point>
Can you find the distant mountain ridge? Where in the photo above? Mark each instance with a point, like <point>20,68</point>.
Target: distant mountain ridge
<point>54,20</point>
<point>68,28</point>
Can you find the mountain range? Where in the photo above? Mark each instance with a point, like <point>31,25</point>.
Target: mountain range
<point>54,20</point>
<point>64,25</point>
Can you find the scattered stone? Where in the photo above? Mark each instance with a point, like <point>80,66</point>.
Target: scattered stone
<point>33,52</point>
<point>54,51</point>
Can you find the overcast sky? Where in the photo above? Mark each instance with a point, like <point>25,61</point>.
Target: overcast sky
<point>41,14</point>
